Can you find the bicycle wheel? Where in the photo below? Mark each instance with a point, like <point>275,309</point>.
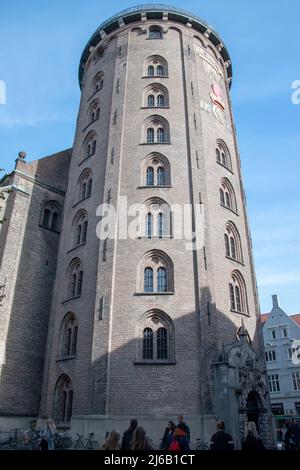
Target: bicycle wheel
<point>66,443</point>
<point>94,445</point>
<point>78,445</point>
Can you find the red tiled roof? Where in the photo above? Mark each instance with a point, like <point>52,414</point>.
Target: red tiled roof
<point>296,318</point>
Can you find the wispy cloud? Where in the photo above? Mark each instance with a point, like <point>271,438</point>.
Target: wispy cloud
<point>278,279</point>
<point>31,119</point>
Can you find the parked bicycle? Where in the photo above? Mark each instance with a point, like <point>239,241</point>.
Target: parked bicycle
<point>86,443</point>
<point>201,445</point>
<point>62,442</point>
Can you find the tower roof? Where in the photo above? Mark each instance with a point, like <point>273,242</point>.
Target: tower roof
<point>153,12</point>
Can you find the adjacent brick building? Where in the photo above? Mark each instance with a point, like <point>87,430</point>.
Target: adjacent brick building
<point>138,326</point>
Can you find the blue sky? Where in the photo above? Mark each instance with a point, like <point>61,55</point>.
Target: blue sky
<point>41,44</point>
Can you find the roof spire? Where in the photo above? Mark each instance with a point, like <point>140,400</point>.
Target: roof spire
<point>275,300</point>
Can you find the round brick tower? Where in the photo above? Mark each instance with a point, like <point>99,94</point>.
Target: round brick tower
<point>150,325</point>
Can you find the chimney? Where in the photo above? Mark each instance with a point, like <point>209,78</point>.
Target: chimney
<point>275,300</point>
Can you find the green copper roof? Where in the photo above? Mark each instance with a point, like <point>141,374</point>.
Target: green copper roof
<point>153,12</point>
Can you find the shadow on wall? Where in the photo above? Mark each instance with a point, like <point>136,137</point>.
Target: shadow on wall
<point>168,370</point>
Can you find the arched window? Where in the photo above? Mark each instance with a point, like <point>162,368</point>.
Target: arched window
<point>222,154</point>
<point>162,343</point>
<point>162,285</point>
<point>161,176</point>
<point>148,343</point>
<point>150,101</point>
<point>156,130</point>
<point>159,70</point>
<point>150,71</point>
<point>94,112</point>
<point>155,170</point>
<point>90,144</point>
<point>84,186</point>
<point>69,334</point>
<point>158,218</point>
<point>156,338</point>
<point>155,32</point>
<point>238,294</point>
<point>98,82</point>
<point>160,135</point>
<point>227,195</point>
<point>63,400</point>
<point>148,280</point>
<point>156,273</point>
<point>150,176</point>
<point>75,278</point>
<point>160,100</point>
<point>233,244</point>
<point>50,217</point>
<point>156,65</point>
<point>156,95</point>
<point>150,135</point>
<point>149,225</point>
<point>80,226</point>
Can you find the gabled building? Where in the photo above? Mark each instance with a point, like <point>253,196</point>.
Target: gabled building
<point>282,348</point>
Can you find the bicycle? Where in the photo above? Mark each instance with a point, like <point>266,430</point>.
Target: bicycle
<point>86,443</point>
<point>201,445</point>
<point>62,442</point>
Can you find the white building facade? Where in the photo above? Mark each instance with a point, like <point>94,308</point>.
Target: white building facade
<point>282,348</point>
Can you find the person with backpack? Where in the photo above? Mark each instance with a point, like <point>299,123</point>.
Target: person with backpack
<point>180,440</point>
<point>185,427</point>
<point>221,440</point>
<point>140,440</point>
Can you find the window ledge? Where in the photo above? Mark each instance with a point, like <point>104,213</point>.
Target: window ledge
<point>155,107</point>
<point>165,237</point>
<point>71,298</point>
<point>66,358</point>
<point>236,260</point>
<point>85,159</point>
<point>155,143</point>
<point>81,200</point>
<point>226,167</point>
<point>75,247</point>
<point>154,293</point>
<point>155,76</point>
<point>165,186</point>
<point>240,313</point>
<point>229,209</point>
<point>49,229</point>
<point>92,96</point>
<point>154,363</point>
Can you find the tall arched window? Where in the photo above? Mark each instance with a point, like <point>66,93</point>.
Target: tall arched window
<point>158,218</point>
<point>75,278</point>
<point>222,154</point>
<point>84,186</point>
<point>157,130</point>
<point>227,195</point>
<point>162,285</point>
<point>148,279</point>
<point>156,171</point>
<point>50,217</point>
<point>156,273</point>
<point>233,246</point>
<point>151,71</point>
<point>156,65</point>
<point>63,400</point>
<point>94,111</point>
<point>80,227</point>
<point>162,343</point>
<point>150,176</point>
<point>157,95</point>
<point>90,144</point>
<point>150,135</point>
<point>148,344</point>
<point>156,338</point>
<point>149,225</point>
<point>238,294</point>
<point>160,135</point>
<point>98,82</point>
<point>69,336</point>
<point>151,101</point>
